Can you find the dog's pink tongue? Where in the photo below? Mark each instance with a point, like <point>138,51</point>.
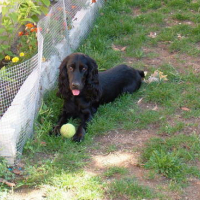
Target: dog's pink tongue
<point>75,92</point>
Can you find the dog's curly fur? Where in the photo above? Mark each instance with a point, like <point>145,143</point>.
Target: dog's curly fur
<point>83,88</point>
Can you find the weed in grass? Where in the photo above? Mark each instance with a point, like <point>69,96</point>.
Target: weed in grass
<point>166,35</point>
<point>82,185</point>
<point>129,188</point>
<point>180,4</point>
<point>170,156</point>
<point>112,171</point>
<point>163,93</point>
<point>176,186</point>
<point>141,120</point>
<point>4,171</point>
<point>139,53</point>
<point>171,129</point>
<point>31,147</point>
<point>143,4</point>
<point>151,175</point>
<point>165,163</point>
<point>153,5</point>
<point>181,17</point>
<point>191,98</point>
<point>184,46</point>
<point>149,18</point>
<point>111,148</point>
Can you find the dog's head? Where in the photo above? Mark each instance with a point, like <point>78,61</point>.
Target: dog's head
<point>78,73</point>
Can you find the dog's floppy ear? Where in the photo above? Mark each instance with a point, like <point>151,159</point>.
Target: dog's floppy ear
<point>92,80</point>
<point>63,82</point>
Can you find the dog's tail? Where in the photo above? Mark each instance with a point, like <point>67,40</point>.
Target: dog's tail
<point>141,73</point>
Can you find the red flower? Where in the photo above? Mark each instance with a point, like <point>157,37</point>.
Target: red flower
<point>20,33</point>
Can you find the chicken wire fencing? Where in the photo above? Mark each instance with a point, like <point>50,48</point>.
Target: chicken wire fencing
<point>22,86</point>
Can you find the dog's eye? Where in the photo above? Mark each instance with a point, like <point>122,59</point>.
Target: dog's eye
<point>84,69</point>
<point>71,69</point>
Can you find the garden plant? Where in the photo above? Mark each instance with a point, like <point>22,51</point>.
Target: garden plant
<point>18,29</point>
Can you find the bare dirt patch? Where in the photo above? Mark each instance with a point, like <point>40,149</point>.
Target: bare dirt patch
<point>181,62</point>
<point>36,193</point>
<point>28,194</point>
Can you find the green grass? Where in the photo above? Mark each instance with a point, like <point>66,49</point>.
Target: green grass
<point>172,129</point>
<point>62,166</point>
<point>129,188</point>
<point>112,171</point>
<point>173,156</point>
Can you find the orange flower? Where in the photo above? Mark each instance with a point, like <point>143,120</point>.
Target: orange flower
<point>20,33</point>
<point>34,30</point>
<point>29,25</point>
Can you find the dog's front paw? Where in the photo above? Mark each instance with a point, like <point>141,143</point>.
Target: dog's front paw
<point>79,136</point>
<point>55,131</point>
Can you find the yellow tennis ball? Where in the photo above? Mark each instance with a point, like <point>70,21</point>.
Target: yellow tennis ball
<point>67,130</point>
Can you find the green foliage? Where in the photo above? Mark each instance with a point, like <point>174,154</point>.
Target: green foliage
<point>170,156</point>
<point>178,3</point>
<point>181,17</point>
<point>115,170</point>
<point>130,188</point>
<point>15,14</point>
<point>4,75</point>
<point>166,163</point>
<point>4,172</point>
<point>169,129</point>
<point>28,41</point>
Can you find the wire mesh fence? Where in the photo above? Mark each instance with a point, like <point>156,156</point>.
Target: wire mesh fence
<point>22,86</point>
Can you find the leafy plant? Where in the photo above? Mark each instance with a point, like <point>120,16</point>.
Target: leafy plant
<point>4,75</point>
<point>4,172</point>
<point>15,14</point>
<point>170,157</point>
<point>166,163</point>
<point>130,188</point>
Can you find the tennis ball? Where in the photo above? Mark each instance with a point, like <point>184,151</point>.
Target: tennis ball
<point>67,130</point>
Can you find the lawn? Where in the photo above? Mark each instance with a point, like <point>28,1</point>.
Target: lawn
<point>142,146</point>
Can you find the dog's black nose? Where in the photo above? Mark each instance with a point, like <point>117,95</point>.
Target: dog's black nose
<point>75,85</point>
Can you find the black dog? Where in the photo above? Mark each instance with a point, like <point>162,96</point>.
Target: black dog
<point>83,88</point>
